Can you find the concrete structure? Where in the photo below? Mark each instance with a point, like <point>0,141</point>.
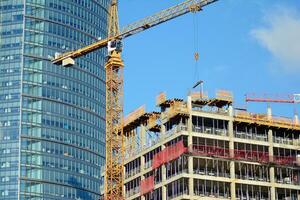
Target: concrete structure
<point>205,149</point>
<point>52,119</point>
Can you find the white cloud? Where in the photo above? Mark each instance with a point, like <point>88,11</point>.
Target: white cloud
<point>281,36</point>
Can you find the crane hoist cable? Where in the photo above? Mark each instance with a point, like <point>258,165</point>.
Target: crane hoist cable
<point>196,45</point>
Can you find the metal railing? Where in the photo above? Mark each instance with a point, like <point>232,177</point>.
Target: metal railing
<point>251,136</point>
<point>210,130</point>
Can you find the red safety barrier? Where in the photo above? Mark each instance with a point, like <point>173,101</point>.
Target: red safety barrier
<point>158,159</point>
<point>220,152</point>
<point>285,160</point>
<point>174,151</point>
<point>255,156</point>
<point>210,151</point>
<point>168,154</point>
<point>147,185</point>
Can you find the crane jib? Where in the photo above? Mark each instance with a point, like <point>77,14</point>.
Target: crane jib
<point>137,27</point>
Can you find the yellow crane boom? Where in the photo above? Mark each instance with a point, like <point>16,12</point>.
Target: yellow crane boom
<point>138,26</point>
<point>115,150</point>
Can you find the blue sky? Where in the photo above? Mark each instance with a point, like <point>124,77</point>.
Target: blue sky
<point>244,46</point>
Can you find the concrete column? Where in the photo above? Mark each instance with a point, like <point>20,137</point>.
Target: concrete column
<point>296,119</point>
<point>190,145</point>
<point>164,178</point>
<point>231,153</point>
<point>190,125</point>
<point>230,111</point>
<point>190,165</point>
<point>190,130</point>
<point>269,112</point>
<point>231,138</point>
<point>271,170</point>
<point>232,163</point>
<point>230,132</point>
<point>163,129</point>
<point>164,192</point>
<point>191,180</point>
<point>143,136</point>
<point>142,171</point>
<point>272,180</point>
<point>124,188</point>
<point>232,183</point>
<point>189,103</point>
<point>142,164</point>
<point>270,140</point>
<point>189,122</point>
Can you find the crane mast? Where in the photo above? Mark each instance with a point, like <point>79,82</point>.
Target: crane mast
<point>113,20</point>
<point>115,151</point>
<point>115,147</point>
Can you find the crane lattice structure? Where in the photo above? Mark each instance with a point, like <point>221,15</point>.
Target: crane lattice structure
<point>115,150</point>
<point>273,98</point>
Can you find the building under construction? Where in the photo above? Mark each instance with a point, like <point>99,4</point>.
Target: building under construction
<point>203,148</point>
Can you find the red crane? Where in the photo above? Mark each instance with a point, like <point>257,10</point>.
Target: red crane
<point>271,98</point>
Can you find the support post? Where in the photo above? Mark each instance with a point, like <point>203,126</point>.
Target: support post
<point>191,180</point>
<point>272,170</point>
<point>189,123</point>
<point>269,112</point>
<point>162,129</point>
<point>231,153</point>
<point>164,179</point>
<point>296,119</point>
<point>164,192</point>
<point>190,145</point>
<point>143,136</point>
<point>142,172</point>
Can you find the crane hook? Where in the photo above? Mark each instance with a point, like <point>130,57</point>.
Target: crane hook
<point>196,56</point>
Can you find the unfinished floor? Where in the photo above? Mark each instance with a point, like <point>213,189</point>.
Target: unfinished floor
<point>204,149</point>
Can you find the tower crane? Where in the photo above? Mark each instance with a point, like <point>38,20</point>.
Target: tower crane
<point>268,98</point>
<point>115,150</point>
<point>289,98</point>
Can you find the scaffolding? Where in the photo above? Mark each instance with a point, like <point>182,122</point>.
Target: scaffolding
<point>263,119</point>
<point>161,98</point>
<point>139,126</point>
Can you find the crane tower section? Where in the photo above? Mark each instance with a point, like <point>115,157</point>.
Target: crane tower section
<point>114,174</point>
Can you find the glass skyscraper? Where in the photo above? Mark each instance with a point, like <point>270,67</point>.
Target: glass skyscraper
<point>52,119</point>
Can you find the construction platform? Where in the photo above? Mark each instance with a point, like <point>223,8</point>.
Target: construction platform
<point>203,148</point>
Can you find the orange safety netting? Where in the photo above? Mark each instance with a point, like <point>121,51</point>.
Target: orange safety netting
<point>147,185</point>
<point>169,153</point>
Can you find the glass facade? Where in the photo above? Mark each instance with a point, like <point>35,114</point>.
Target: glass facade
<point>52,119</point>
